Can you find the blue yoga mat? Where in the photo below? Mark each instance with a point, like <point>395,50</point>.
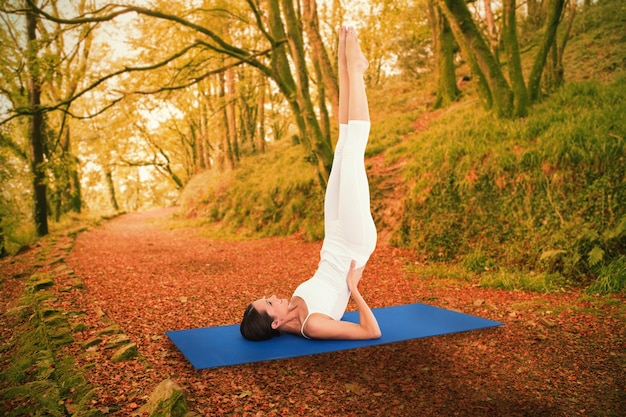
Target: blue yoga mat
<point>224,346</point>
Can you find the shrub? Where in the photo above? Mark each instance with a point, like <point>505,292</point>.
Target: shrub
<point>611,278</point>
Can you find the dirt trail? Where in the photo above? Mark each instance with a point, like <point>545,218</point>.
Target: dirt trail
<point>559,354</point>
<point>149,280</point>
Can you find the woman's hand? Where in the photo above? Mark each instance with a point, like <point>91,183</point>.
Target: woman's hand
<point>320,327</point>
<point>354,276</point>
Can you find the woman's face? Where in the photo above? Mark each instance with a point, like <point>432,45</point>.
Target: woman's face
<point>277,308</point>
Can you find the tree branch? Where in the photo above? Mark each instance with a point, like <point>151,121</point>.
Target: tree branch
<point>221,47</point>
<point>259,23</point>
<point>230,49</point>
<point>84,18</point>
<point>6,142</point>
<point>64,103</point>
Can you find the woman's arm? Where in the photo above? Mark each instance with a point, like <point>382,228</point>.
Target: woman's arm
<point>322,327</point>
<point>367,320</point>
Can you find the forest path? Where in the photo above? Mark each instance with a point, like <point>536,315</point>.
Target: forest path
<point>557,354</point>
<point>148,278</point>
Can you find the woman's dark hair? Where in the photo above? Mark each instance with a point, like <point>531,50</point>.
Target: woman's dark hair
<point>257,326</point>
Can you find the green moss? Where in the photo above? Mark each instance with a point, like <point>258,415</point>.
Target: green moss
<point>117,341</point>
<point>112,329</point>
<point>40,376</point>
<point>91,342</point>
<point>40,281</point>
<point>126,352</point>
<point>166,400</point>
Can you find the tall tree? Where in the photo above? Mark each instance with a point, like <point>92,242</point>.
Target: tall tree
<point>555,73</point>
<point>111,187</point>
<point>231,105</point>
<point>44,63</point>
<point>6,171</point>
<point>228,134</point>
<point>261,113</point>
<point>70,51</point>
<point>326,78</point>
<point>311,131</point>
<point>444,49</point>
<point>555,10</point>
<point>511,45</point>
<point>202,147</point>
<point>35,131</point>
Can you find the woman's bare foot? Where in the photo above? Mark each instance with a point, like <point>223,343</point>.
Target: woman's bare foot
<point>357,62</point>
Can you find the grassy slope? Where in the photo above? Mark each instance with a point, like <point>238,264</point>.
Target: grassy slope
<point>535,194</point>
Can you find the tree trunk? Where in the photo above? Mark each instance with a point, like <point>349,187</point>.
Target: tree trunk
<point>297,94</point>
<point>321,144</point>
<point>326,78</point>
<point>548,41</point>
<point>231,115</point>
<point>476,51</point>
<point>281,70</point>
<point>227,149</point>
<point>36,127</point>
<point>203,146</point>
<point>492,30</point>
<point>76,193</point>
<point>248,107</point>
<point>511,45</point>
<point>3,251</point>
<point>195,144</point>
<point>111,186</point>
<point>73,74</point>
<point>261,113</point>
<point>549,76</point>
<point>558,72</point>
<point>324,117</point>
<point>447,90</point>
<point>72,194</point>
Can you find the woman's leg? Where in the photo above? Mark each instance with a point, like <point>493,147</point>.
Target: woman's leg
<point>354,201</point>
<point>331,199</point>
<point>348,221</point>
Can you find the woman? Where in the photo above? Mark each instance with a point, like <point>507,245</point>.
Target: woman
<point>318,304</point>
